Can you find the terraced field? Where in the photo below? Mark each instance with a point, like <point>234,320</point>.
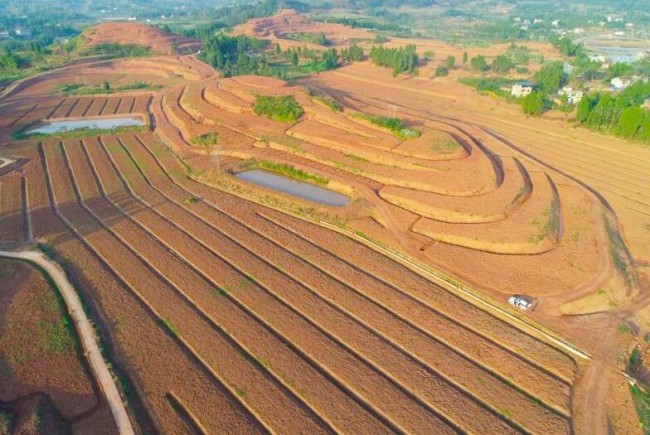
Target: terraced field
<point>224,312</point>
<point>269,316</point>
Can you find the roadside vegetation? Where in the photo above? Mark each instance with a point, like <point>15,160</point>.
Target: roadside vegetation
<point>284,108</point>
<point>288,171</point>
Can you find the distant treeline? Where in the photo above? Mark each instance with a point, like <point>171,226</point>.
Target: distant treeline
<point>620,114</point>
<point>368,24</point>
<point>403,59</point>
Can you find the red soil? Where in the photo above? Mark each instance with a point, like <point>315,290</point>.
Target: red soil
<point>157,40</point>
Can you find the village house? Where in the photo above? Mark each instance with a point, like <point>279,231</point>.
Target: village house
<point>620,83</point>
<point>521,89</point>
<point>4,34</point>
<point>573,96</point>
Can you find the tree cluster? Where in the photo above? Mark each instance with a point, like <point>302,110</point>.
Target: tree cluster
<point>620,113</point>
<point>352,54</point>
<point>403,59</point>
<point>234,55</point>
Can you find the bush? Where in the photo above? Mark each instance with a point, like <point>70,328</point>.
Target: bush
<point>479,63</point>
<point>534,103</point>
<point>291,172</point>
<point>285,108</point>
<point>206,139</point>
<point>442,71</point>
<point>396,125</point>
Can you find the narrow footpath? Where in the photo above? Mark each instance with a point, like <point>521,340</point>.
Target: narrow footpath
<point>86,333</point>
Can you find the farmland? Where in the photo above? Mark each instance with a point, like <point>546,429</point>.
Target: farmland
<point>228,307</point>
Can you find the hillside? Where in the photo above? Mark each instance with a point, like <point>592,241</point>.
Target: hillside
<point>157,40</point>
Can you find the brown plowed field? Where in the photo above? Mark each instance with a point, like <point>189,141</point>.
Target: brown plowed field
<point>157,40</point>
<point>51,369</point>
<point>11,204</point>
<point>232,316</point>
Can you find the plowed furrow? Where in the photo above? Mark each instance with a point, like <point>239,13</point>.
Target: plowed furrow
<point>476,346</point>
<point>11,210</point>
<point>103,239</point>
<point>223,355</point>
<point>389,356</point>
<point>346,360</point>
<point>310,378</point>
<point>471,317</point>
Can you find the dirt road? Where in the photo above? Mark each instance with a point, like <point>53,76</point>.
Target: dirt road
<point>85,331</point>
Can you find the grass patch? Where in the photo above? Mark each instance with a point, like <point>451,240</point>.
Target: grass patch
<point>397,126</point>
<point>617,250</point>
<point>641,400</point>
<point>106,88</point>
<point>173,331</point>
<point>57,337</point>
<point>490,85</point>
<point>78,133</point>
<point>329,102</point>
<point>635,359</point>
<point>191,200</point>
<point>241,393</point>
<point>284,108</point>
<point>207,139</point>
<point>357,158</point>
<point>290,172</point>
<point>623,328</point>
<point>6,421</point>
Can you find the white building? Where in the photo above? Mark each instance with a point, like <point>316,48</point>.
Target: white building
<point>597,58</point>
<point>573,96</point>
<point>521,89</point>
<point>568,68</point>
<point>620,83</point>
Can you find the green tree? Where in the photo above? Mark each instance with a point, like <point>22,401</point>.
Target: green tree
<point>442,71</point>
<point>465,57</point>
<point>278,50</point>
<point>551,77</point>
<point>534,103</point>
<point>294,58</point>
<point>479,63</point>
<point>502,64</point>
<point>450,62</point>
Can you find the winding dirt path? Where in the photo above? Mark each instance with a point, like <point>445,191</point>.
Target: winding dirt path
<point>86,333</point>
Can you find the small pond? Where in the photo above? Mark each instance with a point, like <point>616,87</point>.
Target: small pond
<point>296,188</point>
<point>50,127</point>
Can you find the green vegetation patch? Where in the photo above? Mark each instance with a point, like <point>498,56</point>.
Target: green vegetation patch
<point>329,102</point>
<point>641,399</point>
<point>57,336</point>
<point>6,422</point>
<point>78,133</point>
<point>493,85</point>
<point>290,172</point>
<point>313,38</point>
<point>105,88</point>
<point>284,108</point>
<point>397,126</point>
<point>114,50</point>
<point>206,139</point>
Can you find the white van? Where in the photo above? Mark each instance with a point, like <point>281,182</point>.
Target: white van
<point>520,302</point>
